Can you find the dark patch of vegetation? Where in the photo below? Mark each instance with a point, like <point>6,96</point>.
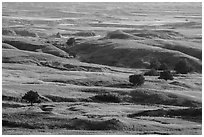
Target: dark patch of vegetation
<point>10,98</point>
<point>11,105</point>
<point>163,66</point>
<point>32,97</point>
<point>144,96</point>
<point>183,67</point>
<point>8,123</point>
<point>85,34</point>
<point>41,121</point>
<point>137,79</point>
<point>85,124</point>
<point>154,64</point>
<point>151,72</point>
<point>166,75</point>
<point>107,97</point>
<point>191,114</point>
<point>71,42</point>
<point>64,99</point>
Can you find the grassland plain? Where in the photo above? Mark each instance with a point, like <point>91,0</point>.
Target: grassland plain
<point>84,89</point>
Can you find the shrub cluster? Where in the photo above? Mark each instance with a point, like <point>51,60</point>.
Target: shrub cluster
<point>71,42</point>
<point>183,67</point>
<point>166,74</point>
<point>151,72</point>
<point>137,79</point>
<point>107,97</point>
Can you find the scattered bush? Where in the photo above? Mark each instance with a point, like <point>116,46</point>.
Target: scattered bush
<point>58,35</point>
<point>107,97</point>
<point>155,64</point>
<point>166,74</point>
<point>164,66</point>
<point>71,42</point>
<point>137,79</point>
<point>151,72</point>
<point>183,67</point>
<point>32,97</point>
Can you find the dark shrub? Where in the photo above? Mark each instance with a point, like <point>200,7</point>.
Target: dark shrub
<point>164,66</point>
<point>137,79</point>
<point>166,74</point>
<point>107,97</point>
<point>151,72</point>
<point>71,42</point>
<point>32,97</point>
<point>183,67</point>
<point>155,64</point>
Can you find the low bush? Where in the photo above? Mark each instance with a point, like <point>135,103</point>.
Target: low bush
<point>183,67</point>
<point>154,64</point>
<point>151,72</point>
<point>107,97</point>
<point>166,74</point>
<point>164,66</point>
<point>137,79</point>
<point>71,42</point>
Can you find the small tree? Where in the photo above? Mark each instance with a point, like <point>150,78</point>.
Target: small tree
<point>151,72</point>
<point>166,74</point>
<point>183,67</point>
<point>71,42</point>
<point>137,79</point>
<point>32,97</point>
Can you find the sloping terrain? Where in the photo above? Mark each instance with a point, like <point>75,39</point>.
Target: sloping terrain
<point>130,53</point>
<point>118,34</point>
<point>7,46</point>
<point>84,88</point>
<point>36,46</point>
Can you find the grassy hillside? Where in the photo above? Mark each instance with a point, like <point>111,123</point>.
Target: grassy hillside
<point>130,53</point>
<point>84,88</point>
<point>34,45</point>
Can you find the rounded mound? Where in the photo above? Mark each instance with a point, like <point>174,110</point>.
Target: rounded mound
<point>33,109</point>
<point>36,46</point>
<point>118,34</point>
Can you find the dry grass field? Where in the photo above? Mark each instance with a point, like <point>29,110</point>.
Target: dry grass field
<point>84,89</point>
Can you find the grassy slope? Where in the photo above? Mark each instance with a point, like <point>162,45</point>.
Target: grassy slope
<point>118,52</point>
<point>69,88</point>
<point>20,74</point>
<point>34,45</point>
<point>19,78</point>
